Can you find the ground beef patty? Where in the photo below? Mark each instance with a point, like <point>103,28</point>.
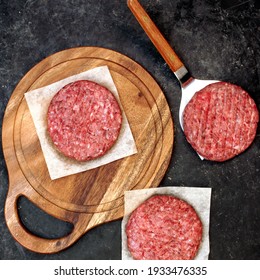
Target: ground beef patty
<point>84,120</point>
<point>220,121</point>
<point>164,228</point>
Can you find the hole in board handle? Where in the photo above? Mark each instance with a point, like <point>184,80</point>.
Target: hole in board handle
<point>39,222</point>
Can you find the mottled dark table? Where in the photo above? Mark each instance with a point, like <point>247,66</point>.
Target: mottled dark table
<point>215,39</point>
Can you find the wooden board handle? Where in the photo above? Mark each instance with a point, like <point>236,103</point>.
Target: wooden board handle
<point>155,36</point>
<point>36,243</point>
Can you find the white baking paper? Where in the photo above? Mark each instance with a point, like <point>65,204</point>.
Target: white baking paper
<point>59,166</point>
<point>199,198</point>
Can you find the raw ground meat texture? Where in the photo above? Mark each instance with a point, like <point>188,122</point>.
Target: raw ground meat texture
<point>164,228</point>
<point>220,121</point>
<point>84,120</point>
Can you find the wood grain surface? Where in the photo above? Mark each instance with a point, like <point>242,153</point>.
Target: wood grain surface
<point>96,196</point>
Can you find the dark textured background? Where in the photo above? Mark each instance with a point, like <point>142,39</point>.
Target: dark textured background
<point>215,39</point>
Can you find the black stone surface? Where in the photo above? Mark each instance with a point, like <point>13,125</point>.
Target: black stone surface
<point>215,39</point>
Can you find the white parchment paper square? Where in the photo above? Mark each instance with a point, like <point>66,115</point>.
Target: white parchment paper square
<point>199,198</point>
<point>59,166</point>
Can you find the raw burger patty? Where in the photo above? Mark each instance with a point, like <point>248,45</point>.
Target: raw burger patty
<point>164,228</point>
<point>220,121</point>
<point>84,120</point>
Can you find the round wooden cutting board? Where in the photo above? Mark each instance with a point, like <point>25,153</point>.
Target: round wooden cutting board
<point>96,196</point>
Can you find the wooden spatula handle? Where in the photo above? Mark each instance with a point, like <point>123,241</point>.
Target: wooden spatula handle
<point>155,36</point>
